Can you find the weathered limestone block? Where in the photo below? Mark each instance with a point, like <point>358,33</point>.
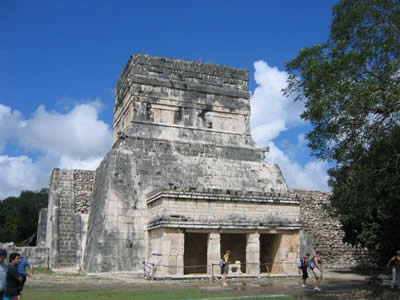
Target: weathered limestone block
<point>175,241</point>
<point>115,229</point>
<point>167,251</point>
<point>42,227</point>
<point>289,252</point>
<point>253,254</point>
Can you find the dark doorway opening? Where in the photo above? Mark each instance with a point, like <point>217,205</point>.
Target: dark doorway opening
<point>269,253</point>
<point>237,244</point>
<point>195,253</point>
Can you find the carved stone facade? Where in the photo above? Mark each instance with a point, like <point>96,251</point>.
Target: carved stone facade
<point>182,183</point>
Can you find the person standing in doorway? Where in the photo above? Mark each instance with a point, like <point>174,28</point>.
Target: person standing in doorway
<point>394,263</point>
<point>23,264</point>
<point>225,268</point>
<point>316,267</point>
<point>3,272</point>
<point>303,266</point>
<point>14,279</point>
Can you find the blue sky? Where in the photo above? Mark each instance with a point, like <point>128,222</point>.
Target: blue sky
<point>60,61</point>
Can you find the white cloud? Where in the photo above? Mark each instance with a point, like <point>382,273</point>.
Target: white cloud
<point>312,176</point>
<point>271,114</point>
<point>79,133</point>
<point>74,140</point>
<point>20,173</point>
<point>90,163</point>
<point>9,122</point>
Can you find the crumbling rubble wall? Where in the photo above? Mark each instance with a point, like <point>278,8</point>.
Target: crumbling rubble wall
<point>322,231</point>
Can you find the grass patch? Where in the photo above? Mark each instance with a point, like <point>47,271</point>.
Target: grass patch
<point>40,270</point>
<point>101,294</point>
<point>71,274</point>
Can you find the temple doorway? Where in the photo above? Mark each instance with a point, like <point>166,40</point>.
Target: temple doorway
<point>269,253</point>
<point>235,242</point>
<point>195,253</point>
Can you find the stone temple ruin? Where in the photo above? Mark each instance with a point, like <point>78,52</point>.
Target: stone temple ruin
<point>183,183</point>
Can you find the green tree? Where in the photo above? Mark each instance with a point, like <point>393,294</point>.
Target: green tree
<point>19,216</point>
<point>351,89</point>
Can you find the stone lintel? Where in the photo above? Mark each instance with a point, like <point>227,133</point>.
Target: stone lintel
<point>226,195</point>
<point>222,227</point>
<point>191,128</point>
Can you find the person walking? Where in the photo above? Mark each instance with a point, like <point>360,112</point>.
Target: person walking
<point>14,279</point>
<point>303,266</point>
<point>394,263</point>
<point>3,272</point>
<point>225,267</point>
<point>23,264</point>
<point>316,268</point>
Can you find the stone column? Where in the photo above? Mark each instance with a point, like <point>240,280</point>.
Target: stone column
<point>289,252</point>
<point>213,252</point>
<point>173,246</point>
<point>253,254</point>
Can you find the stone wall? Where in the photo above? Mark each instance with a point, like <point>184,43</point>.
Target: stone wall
<point>38,256</point>
<point>83,186</point>
<point>323,232</point>
<point>69,199</point>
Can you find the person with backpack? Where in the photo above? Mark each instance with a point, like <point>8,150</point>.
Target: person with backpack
<point>224,264</point>
<point>316,268</point>
<point>394,263</point>
<point>303,266</point>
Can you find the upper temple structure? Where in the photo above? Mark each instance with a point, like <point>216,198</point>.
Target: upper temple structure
<point>183,183</point>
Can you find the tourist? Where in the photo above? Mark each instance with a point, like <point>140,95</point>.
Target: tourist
<point>225,268</point>
<point>14,279</point>
<point>316,268</point>
<point>303,266</point>
<point>23,264</point>
<point>3,272</point>
<point>394,263</point>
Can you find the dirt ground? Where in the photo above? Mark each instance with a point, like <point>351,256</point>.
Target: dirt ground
<point>334,286</point>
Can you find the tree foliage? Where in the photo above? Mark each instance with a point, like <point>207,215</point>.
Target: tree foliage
<point>19,216</point>
<point>351,88</point>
